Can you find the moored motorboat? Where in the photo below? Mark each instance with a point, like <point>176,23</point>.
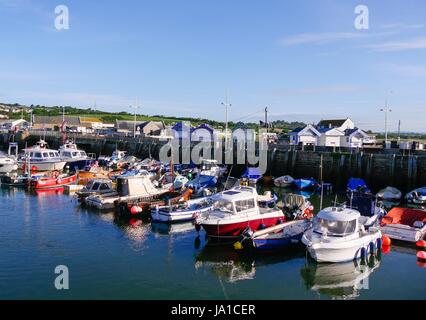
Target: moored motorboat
<point>417,196</point>
<point>405,224</point>
<point>338,236</point>
<point>54,180</point>
<point>253,175</point>
<point>389,194</point>
<point>95,187</point>
<point>234,211</point>
<point>7,164</point>
<point>181,212</point>
<point>40,158</point>
<point>129,189</point>
<point>304,184</point>
<point>75,158</point>
<point>283,182</point>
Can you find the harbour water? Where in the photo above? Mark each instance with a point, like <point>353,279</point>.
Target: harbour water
<point>112,259</point>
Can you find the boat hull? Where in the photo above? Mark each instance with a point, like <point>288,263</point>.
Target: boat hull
<point>342,251</point>
<point>235,229</point>
<point>52,183</point>
<point>44,166</point>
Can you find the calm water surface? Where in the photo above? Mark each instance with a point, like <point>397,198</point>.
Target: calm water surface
<point>110,259</point>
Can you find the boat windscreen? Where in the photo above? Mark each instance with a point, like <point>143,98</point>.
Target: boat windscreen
<point>224,206</point>
<point>334,228</point>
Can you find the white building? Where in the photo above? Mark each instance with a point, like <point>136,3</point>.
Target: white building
<point>356,138</point>
<point>330,137</point>
<point>308,135</point>
<point>340,124</point>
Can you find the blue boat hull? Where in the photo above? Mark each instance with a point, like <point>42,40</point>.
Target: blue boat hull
<point>277,244</point>
<point>303,184</point>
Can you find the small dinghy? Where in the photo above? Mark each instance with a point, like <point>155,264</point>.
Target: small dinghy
<point>181,212</point>
<point>338,236</point>
<point>54,180</point>
<point>283,182</point>
<point>304,184</point>
<point>389,194</point>
<point>417,197</point>
<point>282,235</point>
<point>253,175</point>
<point>405,224</point>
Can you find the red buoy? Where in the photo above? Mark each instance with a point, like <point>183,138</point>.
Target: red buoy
<point>386,249</point>
<point>386,241</point>
<point>421,255</point>
<point>134,210</point>
<point>421,244</point>
<point>421,264</point>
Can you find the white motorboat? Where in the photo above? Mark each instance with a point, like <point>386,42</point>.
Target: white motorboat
<point>338,236</point>
<point>129,188</point>
<point>389,194</point>
<point>69,152</point>
<point>182,212</point>
<point>283,182</point>
<point>96,187</point>
<point>405,224</point>
<point>117,155</point>
<point>236,210</point>
<point>417,197</point>
<point>7,164</point>
<point>41,158</point>
<point>211,168</point>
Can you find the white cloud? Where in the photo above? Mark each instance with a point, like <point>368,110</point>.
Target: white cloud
<point>391,46</point>
<point>327,37</point>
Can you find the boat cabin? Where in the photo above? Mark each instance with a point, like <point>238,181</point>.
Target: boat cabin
<point>135,186</point>
<point>336,222</point>
<point>99,185</point>
<point>236,201</point>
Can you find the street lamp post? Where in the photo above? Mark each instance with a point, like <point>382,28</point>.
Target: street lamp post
<point>386,109</point>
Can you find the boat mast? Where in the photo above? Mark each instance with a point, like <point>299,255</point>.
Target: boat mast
<point>322,181</point>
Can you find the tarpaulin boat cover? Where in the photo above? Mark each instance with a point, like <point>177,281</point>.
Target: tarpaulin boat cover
<point>252,173</point>
<point>355,184</point>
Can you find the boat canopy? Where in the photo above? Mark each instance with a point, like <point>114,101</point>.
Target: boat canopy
<point>339,214</point>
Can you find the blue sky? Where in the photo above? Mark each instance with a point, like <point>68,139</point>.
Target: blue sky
<point>305,60</point>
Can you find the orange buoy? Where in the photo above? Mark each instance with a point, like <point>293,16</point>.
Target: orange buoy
<point>386,249</point>
<point>421,244</point>
<point>386,241</point>
<point>421,255</point>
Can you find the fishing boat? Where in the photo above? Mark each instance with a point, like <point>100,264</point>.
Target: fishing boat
<point>417,196</point>
<point>115,157</point>
<point>211,168</point>
<point>131,188</point>
<point>141,206</point>
<point>17,181</point>
<point>253,175</point>
<point>181,212</point>
<point>283,182</point>
<point>54,180</point>
<point>74,157</point>
<point>304,184</point>
<point>389,194</point>
<point>357,185</point>
<point>405,224</point>
<point>202,185</point>
<point>95,187</point>
<point>235,210</point>
<point>337,236</point>
<point>40,158</point>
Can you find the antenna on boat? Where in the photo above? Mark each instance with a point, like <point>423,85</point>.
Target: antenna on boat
<point>322,182</point>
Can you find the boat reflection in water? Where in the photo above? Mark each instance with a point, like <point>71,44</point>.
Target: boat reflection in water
<point>164,229</point>
<point>134,229</point>
<point>339,280</point>
<point>234,266</point>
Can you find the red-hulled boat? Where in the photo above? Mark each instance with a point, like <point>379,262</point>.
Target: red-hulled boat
<point>236,210</point>
<point>54,181</point>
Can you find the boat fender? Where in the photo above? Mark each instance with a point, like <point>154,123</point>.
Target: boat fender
<point>134,210</point>
<point>363,253</point>
<point>238,246</point>
<point>379,244</point>
<point>421,256</point>
<point>372,247</point>
<point>421,244</point>
<point>262,226</point>
<point>197,227</point>
<point>386,241</point>
<point>279,222</point>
